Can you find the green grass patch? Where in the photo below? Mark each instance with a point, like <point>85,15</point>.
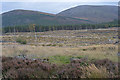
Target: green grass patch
<point>60,59</point>
<point>21,40</point>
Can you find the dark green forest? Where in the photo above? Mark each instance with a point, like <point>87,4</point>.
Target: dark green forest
<point>41,28</point>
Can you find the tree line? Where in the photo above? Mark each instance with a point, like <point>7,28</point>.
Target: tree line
<point>41,28</point>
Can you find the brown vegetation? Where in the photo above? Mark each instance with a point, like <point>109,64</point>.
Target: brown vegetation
<point>77,68</point>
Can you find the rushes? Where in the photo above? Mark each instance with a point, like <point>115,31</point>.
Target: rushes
<point>93,72</point>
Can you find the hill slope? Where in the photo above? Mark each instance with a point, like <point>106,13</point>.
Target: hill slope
<point>21,17</point>
<point>94,13</point>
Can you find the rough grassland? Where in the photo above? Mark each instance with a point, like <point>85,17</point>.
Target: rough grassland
<point>93,52</point>
<point>61,54</point>
<point>92,44</point>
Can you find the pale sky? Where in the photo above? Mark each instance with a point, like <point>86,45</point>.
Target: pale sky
<point>60,0</point>
<point>50,6</point>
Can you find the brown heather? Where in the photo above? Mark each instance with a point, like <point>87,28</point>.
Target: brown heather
<point>78,68</point>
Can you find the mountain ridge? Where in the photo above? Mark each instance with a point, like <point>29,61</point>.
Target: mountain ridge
<point>96,13</point>
<point>19,17</point>
<point>74,15</point>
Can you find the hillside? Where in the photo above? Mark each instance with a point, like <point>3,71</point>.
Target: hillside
<point>94,13</point>
<point>76,15</point>
<point>21,17</point>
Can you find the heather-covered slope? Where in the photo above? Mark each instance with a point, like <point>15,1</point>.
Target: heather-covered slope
<point>21,17</point>
<point>93,13</point>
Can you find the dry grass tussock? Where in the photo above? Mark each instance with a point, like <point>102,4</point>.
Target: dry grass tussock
<point>93,72</point>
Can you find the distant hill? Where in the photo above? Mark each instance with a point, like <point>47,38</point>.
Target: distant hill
<point>21,17</point>
<point>77,15</point>
<point>96,14</point>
